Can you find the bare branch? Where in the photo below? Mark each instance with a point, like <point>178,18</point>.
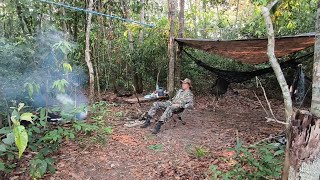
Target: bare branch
<point>275,120</point>
<point>265,110</point>
<point>265,96</point>
<point>272,4</point>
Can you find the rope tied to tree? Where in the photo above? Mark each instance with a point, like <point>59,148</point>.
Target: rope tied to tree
<point>97,13</point>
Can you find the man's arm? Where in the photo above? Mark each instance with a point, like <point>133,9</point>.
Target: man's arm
<point>187,101</point>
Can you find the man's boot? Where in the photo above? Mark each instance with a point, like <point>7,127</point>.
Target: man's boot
<point>147,122</point>
<point>157,128</point>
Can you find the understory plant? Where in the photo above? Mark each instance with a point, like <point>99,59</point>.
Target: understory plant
<point>41,140</point>
<point>257,162</point>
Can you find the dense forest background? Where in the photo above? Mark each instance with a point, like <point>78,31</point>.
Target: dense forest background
<point>39,39</point>
<point>51,55</point>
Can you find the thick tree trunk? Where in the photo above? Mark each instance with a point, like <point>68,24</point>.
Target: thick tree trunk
<point>171,47</point>
<point>179,50</point>
<point>138,81</point>
<point>305,145</point>
<point>281,80</point>
<point>87,54</point>
<point>315,104</point>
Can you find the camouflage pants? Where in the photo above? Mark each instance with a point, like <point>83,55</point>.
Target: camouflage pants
<point>167,106</point>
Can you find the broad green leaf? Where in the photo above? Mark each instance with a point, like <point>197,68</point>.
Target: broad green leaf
<point>42,123</point>
<point>21,138</point>
<point>43,114</point>
<point>9,140</point>
<point>51,168</point>
<point>26,117</point>
<point>3,148</point>
<point>2,166</point>
<point>5,130</point>
<point>36,129</point>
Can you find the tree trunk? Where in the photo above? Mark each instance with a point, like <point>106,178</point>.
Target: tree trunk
<point>315,104</point>
<point>142,13</point>
<point>305,147</point>
<point>96,60</point>
<point>22,23</point>
<point>87,54</point>
<point>237,14</point>
<point>75,26</point>
<point>281,80</point>
<point>139,78</point>
<point>204,31</point>
<point>129,70</point>
<point>171,47</point>
<point>179,50</point>
<point>305,144</point>
<point>64,24</point>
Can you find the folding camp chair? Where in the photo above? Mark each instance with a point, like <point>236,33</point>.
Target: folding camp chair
<point>180,113</point>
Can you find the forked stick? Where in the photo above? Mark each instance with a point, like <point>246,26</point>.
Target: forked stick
<point>274,119</point>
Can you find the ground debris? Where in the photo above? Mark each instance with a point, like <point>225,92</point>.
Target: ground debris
<point>128,154</point>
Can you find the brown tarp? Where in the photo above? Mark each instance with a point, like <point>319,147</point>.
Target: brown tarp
<point>250,51</point>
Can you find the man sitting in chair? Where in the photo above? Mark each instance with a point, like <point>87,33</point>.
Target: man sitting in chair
<point>182,100</point>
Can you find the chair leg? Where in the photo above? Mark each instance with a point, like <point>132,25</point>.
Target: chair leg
<point>183,122</point>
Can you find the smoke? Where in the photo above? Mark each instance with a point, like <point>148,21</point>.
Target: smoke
<point>37,71</point>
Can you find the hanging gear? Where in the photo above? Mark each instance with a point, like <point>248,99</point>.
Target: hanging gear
<point>297,89</point>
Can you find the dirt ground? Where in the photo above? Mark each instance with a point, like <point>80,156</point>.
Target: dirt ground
<point>127,154</point>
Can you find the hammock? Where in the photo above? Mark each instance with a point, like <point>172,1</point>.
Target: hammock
<point>240,76</point>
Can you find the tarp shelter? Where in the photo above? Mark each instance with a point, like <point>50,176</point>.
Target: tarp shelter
<point>250,51</point>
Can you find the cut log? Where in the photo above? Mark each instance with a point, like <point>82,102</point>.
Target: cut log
<point>142,99</point>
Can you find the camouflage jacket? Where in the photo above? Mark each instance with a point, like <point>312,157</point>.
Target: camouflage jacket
<point>184,98</point>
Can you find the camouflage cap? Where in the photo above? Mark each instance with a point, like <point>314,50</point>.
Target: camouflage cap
<point>186,80</point>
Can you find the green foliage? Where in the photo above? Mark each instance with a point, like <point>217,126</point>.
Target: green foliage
<point>156,147</point>
<point>19,131</point>
<point>200,152</point>
<point>60,85</point>
<point>21,138</point>
<point>44,138</point>
<point>258,162</point>
<point>31,88</point>
<point>40,165</point>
